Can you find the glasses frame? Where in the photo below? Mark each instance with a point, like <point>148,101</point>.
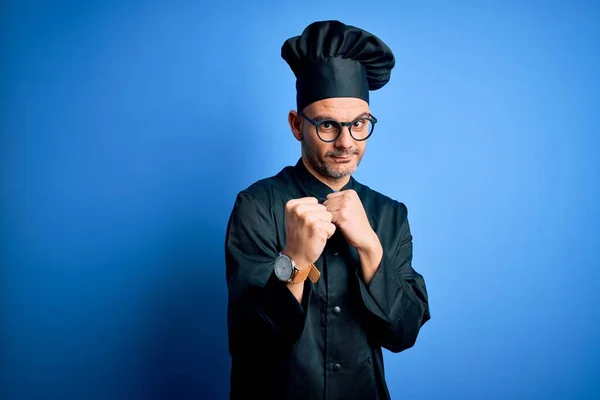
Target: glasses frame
<point>320,122</point>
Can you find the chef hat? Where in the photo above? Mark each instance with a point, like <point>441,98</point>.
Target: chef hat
<point>331,59</point>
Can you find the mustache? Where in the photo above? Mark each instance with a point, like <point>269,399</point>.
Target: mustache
<point>342,153</point>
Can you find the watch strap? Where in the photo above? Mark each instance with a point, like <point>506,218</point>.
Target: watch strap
<point>311,273</point>
<point>314,274</point>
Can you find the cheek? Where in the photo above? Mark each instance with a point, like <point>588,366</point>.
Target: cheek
<point>362,147</point>
<point>317,146</point>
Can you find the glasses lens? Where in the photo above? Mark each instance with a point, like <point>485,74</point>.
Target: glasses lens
<point>362,128</point>
<point>329,130</point>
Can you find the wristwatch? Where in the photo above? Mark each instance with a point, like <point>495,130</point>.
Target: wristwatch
<point>287,271</point>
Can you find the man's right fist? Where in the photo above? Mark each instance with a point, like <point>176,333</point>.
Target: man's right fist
<point>307,228</point>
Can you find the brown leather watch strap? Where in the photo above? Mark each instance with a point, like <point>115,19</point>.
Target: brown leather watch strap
<point>311,272</point>
<point>314,274</point>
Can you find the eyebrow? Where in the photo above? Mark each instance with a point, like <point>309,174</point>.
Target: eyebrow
<point>322,117</point>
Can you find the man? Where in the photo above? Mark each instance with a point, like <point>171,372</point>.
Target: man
<point>318,265</point>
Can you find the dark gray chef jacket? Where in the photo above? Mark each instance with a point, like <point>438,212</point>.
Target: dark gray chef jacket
<point>330,345</point>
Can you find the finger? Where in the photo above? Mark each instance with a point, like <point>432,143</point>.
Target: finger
<point>317,216</point>
<point>333,199</point>
<point>324,216</point>
<point>309,208</point>
<point>293,203</point>
<point>328,227</point>
<point>336,194</point>
<point>307,200</point>
<point>335,217</point>
<point>331,228</point>
<point>303,200</point>
<point>334,205</point>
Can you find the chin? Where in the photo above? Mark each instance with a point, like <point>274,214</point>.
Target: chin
<point>340,172</point>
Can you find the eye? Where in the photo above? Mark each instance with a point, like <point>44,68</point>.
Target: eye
<point>329,126</point>
<point>359,123</point>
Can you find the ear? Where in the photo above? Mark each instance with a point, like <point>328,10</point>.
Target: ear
<point>295,121</point>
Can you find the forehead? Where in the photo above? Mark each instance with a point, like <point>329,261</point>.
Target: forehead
<point>338,107</point>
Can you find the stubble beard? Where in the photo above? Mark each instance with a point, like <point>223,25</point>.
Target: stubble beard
<point>327,168</point>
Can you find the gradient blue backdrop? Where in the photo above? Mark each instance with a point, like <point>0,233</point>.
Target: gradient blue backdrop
<point>128,128</point>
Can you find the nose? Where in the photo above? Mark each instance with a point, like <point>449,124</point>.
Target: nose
<point>345,140</point>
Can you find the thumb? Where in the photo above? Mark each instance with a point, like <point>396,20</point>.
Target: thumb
<point>330,230</point>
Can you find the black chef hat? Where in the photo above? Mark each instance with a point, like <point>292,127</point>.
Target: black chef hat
<point>331,59</point>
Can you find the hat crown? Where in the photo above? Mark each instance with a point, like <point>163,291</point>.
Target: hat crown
<point>324,40</point>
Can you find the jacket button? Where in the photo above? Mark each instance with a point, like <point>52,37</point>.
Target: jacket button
<point>335,253</point>
<point>336,310</point>
<point>337,367</point>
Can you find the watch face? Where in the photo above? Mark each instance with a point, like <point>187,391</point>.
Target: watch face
<point>283,268</point>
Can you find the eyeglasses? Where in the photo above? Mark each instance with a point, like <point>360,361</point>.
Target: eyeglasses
<point>329,129</point>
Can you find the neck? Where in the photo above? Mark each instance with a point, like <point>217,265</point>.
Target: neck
<point>333,183</point>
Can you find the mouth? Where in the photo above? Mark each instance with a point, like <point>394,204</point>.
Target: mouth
<point>342,159</point>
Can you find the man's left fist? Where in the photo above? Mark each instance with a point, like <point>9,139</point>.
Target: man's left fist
<point>350,217</point>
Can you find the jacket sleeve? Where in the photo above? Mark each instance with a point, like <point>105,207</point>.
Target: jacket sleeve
<point>264,318</point>
<point>396,300</point>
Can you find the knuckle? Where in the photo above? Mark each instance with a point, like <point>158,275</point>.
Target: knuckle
<point>310,218</point>
<point>290,205</point>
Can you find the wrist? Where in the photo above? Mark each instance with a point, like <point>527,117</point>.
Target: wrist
<point>296,259</point>
<point>370,259</point>
<point>371,247</point>
<point>287,269</point>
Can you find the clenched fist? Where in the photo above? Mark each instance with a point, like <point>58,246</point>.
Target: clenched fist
<point>307,228</point>
<point>350,217</point>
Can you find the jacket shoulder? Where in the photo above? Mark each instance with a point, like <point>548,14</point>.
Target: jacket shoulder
<point>265,190</point>
<point>379,204</point>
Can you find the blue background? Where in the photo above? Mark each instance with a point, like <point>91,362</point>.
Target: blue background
<point>127,128</point>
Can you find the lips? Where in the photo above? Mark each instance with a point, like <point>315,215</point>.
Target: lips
<point>342,157</point>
